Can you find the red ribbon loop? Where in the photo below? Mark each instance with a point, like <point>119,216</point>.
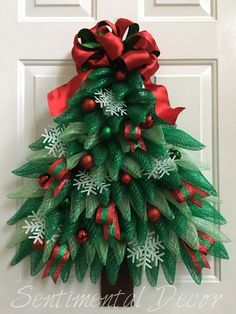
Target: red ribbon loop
<point>103,45</point>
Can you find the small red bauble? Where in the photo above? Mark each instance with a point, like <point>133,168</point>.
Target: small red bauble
<point>82,236</point>
<point>154,214</point>
<point>88,105</point>
<point>39,246</point>
<point>86,162</point>
<point>120,75</point>
<point>125,178</point>
<point>43,179</point>
<point>149,122</point>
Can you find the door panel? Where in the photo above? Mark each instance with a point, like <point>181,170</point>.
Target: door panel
<point>197,44</point>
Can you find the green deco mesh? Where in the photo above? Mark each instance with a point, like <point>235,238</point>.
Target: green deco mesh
<point>74,208</point>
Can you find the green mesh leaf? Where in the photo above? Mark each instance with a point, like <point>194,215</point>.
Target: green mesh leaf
<point>135,272</point>
<point>160,202</point>
<point>134,79</point>
<point>114,123</point>
<point>99,84</point>
<point>180,138</point>
<point>112,267</point>
<point>182,207</point>
<point>143,159</point>
<point>81,265</point>
<point>142,230</point>
<point>94,121</point>
<point>95,269</point>
<point>186,230</point>
<point>37,263</point>
<point>72,161</point>
<point>18,236</point>
<point>102,247</point>
<point>190,162</point>
<point>137,199</point>
<point>25,248</point>
<point>91,203</point>
<point>100,154</point>
<point>74,246</point>
<point>120,90</point>
<point>219,250</point>
<point>115,159</point>
<point>121,199</point>
<point>197,179</point>
<point>129,228</point>
<point>119,250</point>
<point>69,116</point>
<point>38,144</point>
<point>137,115</point>
<point>42,157</point>
<point>154,134</point>
<point>91,141</point>
<point>123,143</point>
<point>207,212</point>
<point>48,250</point>
<point>152,274</point>
<point>32,204</point>
<point>197,277</point>
<point>130,166</point>
<point>77,205</point>
<point>32,190</point>
<point>50,202</point>
<point>65,272</point>
<point>169,267</point>
<point>73,131</point>
<point>141,97</point>
<point>31,170</point>
<point>210,229</point>
<point>100,72</point>
<point>52,221</point>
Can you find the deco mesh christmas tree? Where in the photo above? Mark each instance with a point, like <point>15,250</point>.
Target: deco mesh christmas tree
<point>112,181</point>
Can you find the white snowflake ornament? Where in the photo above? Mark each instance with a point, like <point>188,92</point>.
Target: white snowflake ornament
<point>112,107</point>
<point>35,228</point>
<point>88,184</point>
<point>55,145</point>
<point>144,255</point>
<point>161,167</point>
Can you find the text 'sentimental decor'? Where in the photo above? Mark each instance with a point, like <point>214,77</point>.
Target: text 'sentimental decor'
<point>112,189</point>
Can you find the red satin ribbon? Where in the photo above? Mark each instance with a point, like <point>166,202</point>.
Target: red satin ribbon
<point>137,52</point>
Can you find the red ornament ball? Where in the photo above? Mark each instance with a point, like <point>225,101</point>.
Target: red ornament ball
<point>38,246</point>
<point>154,214</point>
<point>43,179</point>
<point>82,236</point>
<point>125,178</point>
<point>88,105</point>
<point>149,122</point>
<point>86,162</point>
<point>120,75</point>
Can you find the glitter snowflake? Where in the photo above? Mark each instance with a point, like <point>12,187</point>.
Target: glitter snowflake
<point>88,184</point>
<point>160,167</point>
<point>35,228</point>
<point>55,145</point>
<point>145,255</point>
<point>112,107</point>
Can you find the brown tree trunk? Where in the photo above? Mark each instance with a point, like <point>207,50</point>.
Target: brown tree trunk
<point>121,293</point>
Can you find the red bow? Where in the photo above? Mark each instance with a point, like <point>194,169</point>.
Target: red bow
<point>103,45</point>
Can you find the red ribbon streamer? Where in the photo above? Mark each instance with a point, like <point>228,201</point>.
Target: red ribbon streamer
<point>137,52</point>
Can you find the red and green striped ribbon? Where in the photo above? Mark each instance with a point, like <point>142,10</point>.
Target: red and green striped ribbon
<point>188,192</point>
<point>59,176</point>
<point>199,258</point>
<point>133,133</point>
<point>58,259</point>
<point>108,217</point>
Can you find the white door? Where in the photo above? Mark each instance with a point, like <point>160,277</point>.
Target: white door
<point>197,43</point>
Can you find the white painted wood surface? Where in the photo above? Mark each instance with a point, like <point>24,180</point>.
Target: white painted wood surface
<point>197,42</point>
